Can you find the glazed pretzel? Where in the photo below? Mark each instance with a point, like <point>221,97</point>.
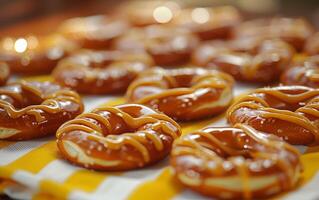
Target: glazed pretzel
<point>35,109</point>
<point>305,73</point>
<point>40,56</point>
<point>294,31</point>
<point>235,163</point>
<point>100,72</point>
<point>124,137</point>
<point>290,112</point>
<point>167,45</point>
<point>254,60</point>
<point>93,32</point>
<point>183,94</point>
<point>4,73</point>
<point>218,25</point>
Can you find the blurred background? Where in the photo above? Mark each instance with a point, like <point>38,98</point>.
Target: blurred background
<point>19,17</point>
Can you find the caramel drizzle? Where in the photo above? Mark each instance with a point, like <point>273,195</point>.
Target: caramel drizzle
<point>215,80</point>
<point>190,146</point>
<point>253,101</point>
<point>160,123</point>
<point>51,103</point>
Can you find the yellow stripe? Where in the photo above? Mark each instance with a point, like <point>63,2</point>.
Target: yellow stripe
<point>38,78</point>
<point>36,159</point>
<point>4,143</point>
<point>87,180</point>
<point>113,102</point>
<point>164,187</point>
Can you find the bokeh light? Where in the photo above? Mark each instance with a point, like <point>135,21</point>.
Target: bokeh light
<point>200,15</point>
<point>162,14</point>
<point>20,45</point>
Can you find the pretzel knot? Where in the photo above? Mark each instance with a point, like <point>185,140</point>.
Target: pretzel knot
<point>235,163</point>
<point>183,94</point>
<point>117,138</point>
<point>34,109</point>
<point>290,112</point>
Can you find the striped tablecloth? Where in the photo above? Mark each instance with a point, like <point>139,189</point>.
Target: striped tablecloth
<point>34,170</point>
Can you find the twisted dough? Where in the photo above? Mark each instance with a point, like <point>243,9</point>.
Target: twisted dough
<point>35,109</point>
<point>183,94</point>
<point>101,72</point>
<point>117,138</point>
<point>290,112</point>
<point>235,163</point>
<point>305,73</point>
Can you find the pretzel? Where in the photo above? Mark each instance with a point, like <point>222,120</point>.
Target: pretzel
<point>35,109</point>
<point>93,32</point>
<point>183,94</point>
<point>100,72</point>
<point>295,31</point>
<point>123,137</point>
<point>235,163</point>
<point>4,73</point>
<point>252,60</point>
<point>305,73</point>
<point>209,23</point>
<point>289,112</point>
<point>167,45</point>
<point>34,54</point>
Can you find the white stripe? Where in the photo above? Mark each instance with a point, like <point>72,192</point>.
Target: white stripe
<point>57,170</point>
<point>92,102</point>
<point>13,152</point>
<point>308,191</point>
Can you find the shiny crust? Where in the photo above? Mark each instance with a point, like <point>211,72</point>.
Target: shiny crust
<point>219,25</point>
<point>294,31</point>
<point>41,55</point>
<point>167,45</point>
<point>305,73</point>
<point>94,32</point>
<point>4,73</point>
<point>124,137</point>
<point>290,112</point>
<point>101,72</point>
<point>235,163</point>
<point>35,109</point>
<point>183,94</point>
<point>253,60</point>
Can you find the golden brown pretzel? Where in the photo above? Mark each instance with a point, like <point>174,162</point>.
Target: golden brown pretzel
<point>209,23</point>
<point>290,112</point>
<point>305,73</point>
<point>252,60</point>
<point>295,31</point>
<point>101,72</point>
<point>167,45</point>
<point>35,109</point>
<point>4,73</point>
<point>94,32</point>
<point>124,137</point>
<point>183,94</point>
<point>34,54</point>
<point>235,163</point>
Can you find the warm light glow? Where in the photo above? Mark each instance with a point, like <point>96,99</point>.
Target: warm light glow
<point>7,43</point>
<point>20,45</point>
<point>200,15</point>
<point>32,42</point>
<point>162,14</point>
